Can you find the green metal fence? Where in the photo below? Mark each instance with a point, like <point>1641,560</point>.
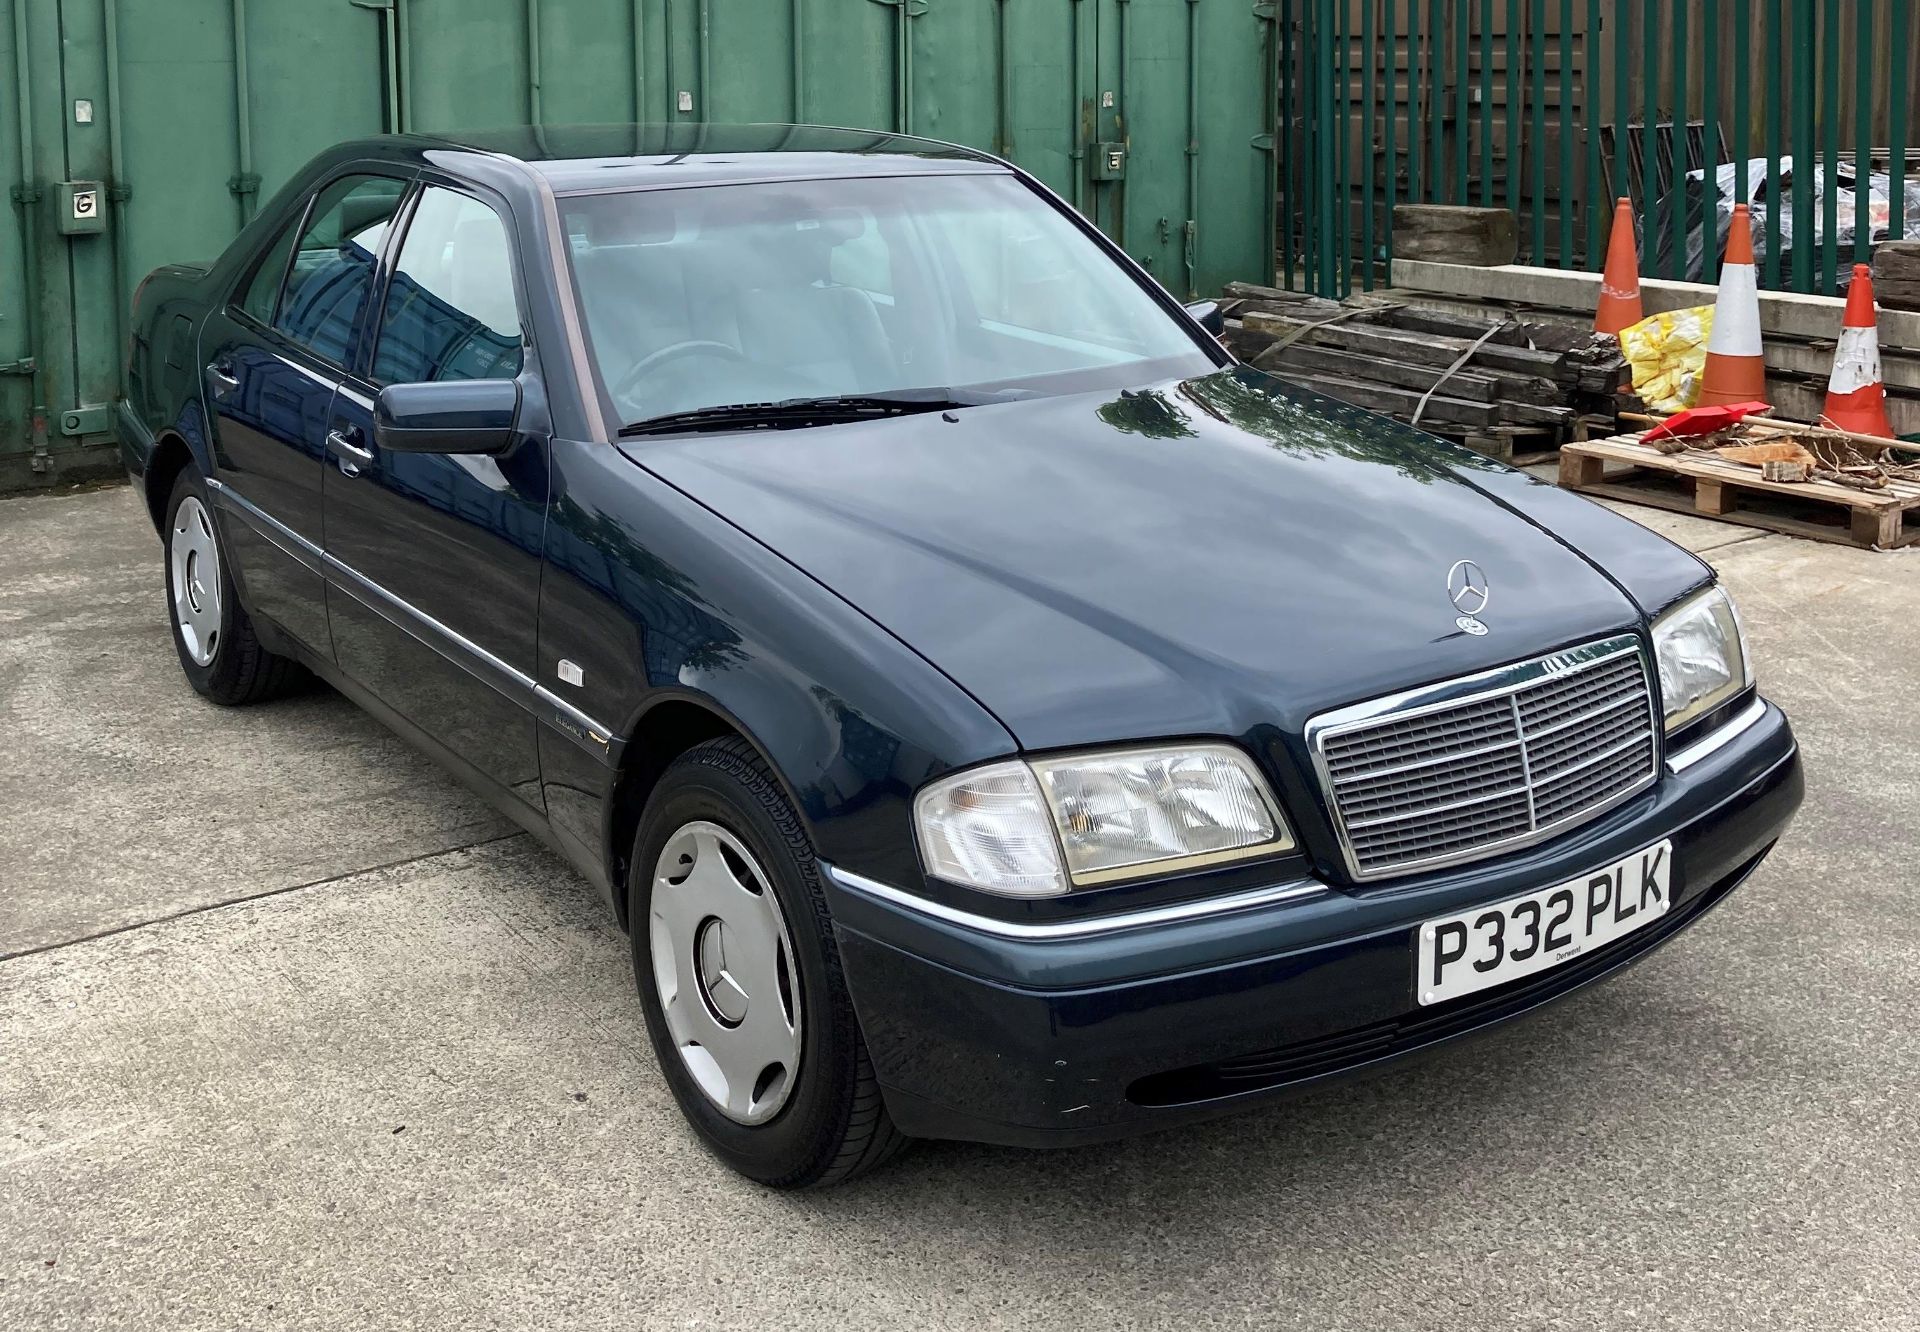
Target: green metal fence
<point>1552,108</point>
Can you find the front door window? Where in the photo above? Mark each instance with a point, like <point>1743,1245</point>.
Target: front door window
<point>332,270</point>
<point>450,310</point>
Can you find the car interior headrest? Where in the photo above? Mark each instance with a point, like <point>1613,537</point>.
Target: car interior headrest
<point>361,211</point>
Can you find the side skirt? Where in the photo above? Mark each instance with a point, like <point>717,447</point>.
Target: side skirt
<point>499,797</point>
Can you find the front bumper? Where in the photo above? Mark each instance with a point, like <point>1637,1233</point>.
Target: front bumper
<point>1059,1041</point>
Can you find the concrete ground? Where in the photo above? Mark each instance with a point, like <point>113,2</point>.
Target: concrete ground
<point>296,1034</point>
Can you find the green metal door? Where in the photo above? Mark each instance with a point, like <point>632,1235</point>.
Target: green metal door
<point>1138,111</point>
<point>1176,116</point>
<point>176,115</point>
<point>186,113</point>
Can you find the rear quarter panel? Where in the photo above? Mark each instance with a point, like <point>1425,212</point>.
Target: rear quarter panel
<point>163,382</point>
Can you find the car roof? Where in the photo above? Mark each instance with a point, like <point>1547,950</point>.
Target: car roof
<point>579,158</point>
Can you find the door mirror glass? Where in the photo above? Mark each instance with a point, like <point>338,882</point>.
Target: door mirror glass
<point>450,416</point>
<point>1211,316</point>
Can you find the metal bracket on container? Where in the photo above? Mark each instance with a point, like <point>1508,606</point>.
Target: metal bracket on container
<point>25,194</point>
<point>371,4</point>
<point>246,184</point>
<point>25,366</point>
<point>93,419</point>
<point>79,212</point>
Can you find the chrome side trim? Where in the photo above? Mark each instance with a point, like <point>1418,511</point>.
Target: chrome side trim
<point>423,628</point>
<point>290,542</point>
<point>1091,927</point>
<point>577,725</point>
<point>1718,738</point>
<point>504,679</point>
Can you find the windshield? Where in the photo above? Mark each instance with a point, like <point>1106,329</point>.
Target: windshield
<point>970,286</point>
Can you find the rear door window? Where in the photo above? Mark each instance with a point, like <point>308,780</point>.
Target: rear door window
<point>331,273</point>
<point>263,289</point>
<point>450,311</point>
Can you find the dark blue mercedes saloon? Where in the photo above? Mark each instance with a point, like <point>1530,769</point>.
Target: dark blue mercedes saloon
<point>990,710</point>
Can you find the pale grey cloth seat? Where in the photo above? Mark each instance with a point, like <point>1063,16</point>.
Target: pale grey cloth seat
<point>794,317</point>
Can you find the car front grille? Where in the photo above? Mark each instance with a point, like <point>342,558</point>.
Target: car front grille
<point>1496,761</point>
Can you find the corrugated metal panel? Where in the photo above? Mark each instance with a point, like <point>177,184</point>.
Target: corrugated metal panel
<point>219,101</point>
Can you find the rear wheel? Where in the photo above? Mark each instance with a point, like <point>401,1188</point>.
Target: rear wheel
<point>740,980</point>
<point>212,632</point>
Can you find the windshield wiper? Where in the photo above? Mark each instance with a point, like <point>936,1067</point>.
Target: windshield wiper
<point>793,413</point>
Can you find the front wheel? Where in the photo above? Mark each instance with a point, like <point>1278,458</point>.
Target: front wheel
<point>212,632</point>
<point>740,980</point>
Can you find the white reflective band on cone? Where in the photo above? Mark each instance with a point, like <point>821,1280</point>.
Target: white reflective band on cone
<point>1856,361</point>
<point>1736,315</point>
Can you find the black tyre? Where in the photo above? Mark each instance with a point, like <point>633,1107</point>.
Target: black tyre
<point>218,649</point>
<point>745,1001</point>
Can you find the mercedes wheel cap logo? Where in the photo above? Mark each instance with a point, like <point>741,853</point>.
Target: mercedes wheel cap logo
<point>1467,588</point>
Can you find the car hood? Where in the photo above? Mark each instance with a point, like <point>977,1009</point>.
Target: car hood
<point>1198,557</point>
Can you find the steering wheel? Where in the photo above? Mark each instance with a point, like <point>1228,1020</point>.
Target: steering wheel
<point>646,365</point>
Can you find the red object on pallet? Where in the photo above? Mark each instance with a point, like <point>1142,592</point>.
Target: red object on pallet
<point>1704,420</point>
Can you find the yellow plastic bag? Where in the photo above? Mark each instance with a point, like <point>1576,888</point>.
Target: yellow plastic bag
<point>1668,353</point>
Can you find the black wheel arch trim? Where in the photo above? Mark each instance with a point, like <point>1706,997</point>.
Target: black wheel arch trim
<point>612,827</point>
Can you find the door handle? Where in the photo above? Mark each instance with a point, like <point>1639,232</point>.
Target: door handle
<point>351,455</point>
<point>224,380</point>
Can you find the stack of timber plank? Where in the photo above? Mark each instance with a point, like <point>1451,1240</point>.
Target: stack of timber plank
<point>1501,384</point>
<point>1799,330</point>
<point>1896,275</point>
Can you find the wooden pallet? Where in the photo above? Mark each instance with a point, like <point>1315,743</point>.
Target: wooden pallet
<point>1700,483</point>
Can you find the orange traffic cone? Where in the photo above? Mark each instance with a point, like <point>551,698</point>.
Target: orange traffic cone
<point>1620,282</point>
<point>1856,395</point>
<point>1736,366</point>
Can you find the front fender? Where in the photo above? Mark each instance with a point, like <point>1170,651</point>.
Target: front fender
<point>652,598</point>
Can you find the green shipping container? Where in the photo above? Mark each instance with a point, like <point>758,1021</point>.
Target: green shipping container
<point>142,132</point>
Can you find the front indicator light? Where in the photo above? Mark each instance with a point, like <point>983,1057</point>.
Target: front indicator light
<point>1702,656</point>
<point>989,828</point>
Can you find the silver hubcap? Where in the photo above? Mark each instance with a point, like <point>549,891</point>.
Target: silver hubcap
<point>723,965</point>
<point>195,560</point>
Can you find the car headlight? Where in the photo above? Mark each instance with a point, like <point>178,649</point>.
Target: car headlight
<point>1040,828</point>
<point>1702,656</point>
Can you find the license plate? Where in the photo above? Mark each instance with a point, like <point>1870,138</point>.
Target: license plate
<point>1492,945</point>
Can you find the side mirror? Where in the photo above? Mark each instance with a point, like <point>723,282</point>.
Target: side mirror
<point>451,416</point>
<point>1210,316</point>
